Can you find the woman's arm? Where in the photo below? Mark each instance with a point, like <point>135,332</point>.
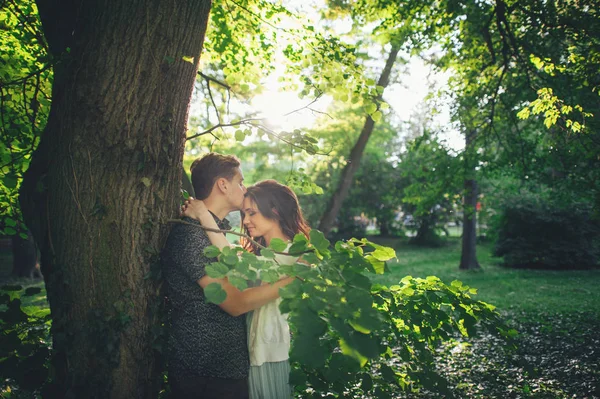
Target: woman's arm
<point>196,209</point>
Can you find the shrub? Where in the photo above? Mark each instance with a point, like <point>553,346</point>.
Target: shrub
<point>545,234</point>
<point>24,343</point>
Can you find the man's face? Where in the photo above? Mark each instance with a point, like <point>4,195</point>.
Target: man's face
<point>237,190</point>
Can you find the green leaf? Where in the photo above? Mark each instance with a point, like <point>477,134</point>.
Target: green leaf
<point>367,383</point>
<point>359,299</point>
<point>269,276</point>
<point>212,251</point>
<point>238,282</point>
<point>297,377</point>
<point>318,240</point>
<point>214,293</point>
<point>383,253</point>
<point>348,350</point>
<point>9,231</point>
<point>366,345</point>
<point>230,259</point>
<point>292,290</point>
<point>378,266</point>
<point>10,182</point>
<point>309,322</point>
<point>267,253</point>
<point>146,181</point>
<point>388,374</point>
<point>216,270</point>
<point>456,284</point>
<point>278,245</point>
<point>239,135</point>
<point>307,350</point>
<point>298,247</point>
<point>371,108</point>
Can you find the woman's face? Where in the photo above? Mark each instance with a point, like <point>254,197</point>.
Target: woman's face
<point>256,223</point>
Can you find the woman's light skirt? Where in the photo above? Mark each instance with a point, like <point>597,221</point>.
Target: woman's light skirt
<point>270,381</point>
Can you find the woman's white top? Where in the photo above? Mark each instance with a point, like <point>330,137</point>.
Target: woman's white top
<point>269,332</point>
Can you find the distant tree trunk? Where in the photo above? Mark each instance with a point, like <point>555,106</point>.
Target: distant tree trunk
<point>468,259</point>
<point>345,182</point>
<point>384,229</point>
<point>24,257</point>
<point>104,180</point>
<point>426,235</point>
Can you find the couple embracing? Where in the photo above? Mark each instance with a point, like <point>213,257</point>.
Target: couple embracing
<point>239,348</point>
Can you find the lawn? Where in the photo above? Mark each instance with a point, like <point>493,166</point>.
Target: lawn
<point>557,314</point>
<point>519,290</point>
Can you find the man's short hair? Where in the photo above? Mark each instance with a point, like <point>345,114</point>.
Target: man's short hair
<point>212,166</point>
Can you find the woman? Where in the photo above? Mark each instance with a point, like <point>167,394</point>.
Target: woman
<point>270,210</point>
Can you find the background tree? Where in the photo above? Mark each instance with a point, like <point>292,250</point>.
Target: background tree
<point>25,87</point>
<point>431,202</point>
<point>346,178</point>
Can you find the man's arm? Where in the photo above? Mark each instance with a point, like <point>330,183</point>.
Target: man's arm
<point>196,209</point>
<point>189,256</point>
<point>240,302</point>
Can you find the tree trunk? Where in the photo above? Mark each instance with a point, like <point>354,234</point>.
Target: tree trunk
<point>105,179</point>
<point>384,228</point>
<point>426,235</point>
<point>25,257</point>
<point>336,201</point>
<point>468,259</point>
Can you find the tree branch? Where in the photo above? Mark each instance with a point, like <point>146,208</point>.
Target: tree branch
<point>246,236</point>
<point>220,125</point>
<point>211,79</point>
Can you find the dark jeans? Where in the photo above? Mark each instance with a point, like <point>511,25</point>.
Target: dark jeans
<point>208,388</point>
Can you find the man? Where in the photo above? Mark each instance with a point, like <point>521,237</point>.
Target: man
<point>208,353</point>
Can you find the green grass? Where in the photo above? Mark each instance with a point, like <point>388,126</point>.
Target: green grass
<point>531,291</point>
<point>29,303</point>
<point>517,290</point>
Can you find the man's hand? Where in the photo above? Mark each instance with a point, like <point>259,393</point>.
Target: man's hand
<point>194,208</point>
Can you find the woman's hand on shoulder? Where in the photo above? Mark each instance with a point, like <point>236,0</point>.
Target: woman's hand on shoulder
<point>194,208</point>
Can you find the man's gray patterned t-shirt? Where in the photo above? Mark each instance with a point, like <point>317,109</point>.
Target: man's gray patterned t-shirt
<point>204,340</point>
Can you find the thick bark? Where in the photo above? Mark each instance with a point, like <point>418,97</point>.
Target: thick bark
<point>336,201</point>
<point>468,259</point>
<point>104,180</point>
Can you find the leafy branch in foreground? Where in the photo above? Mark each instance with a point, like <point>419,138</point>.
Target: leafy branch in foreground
<point>24,341</point>
<point>351,337</point>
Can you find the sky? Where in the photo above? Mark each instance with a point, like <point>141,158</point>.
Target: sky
<point>403,97</point>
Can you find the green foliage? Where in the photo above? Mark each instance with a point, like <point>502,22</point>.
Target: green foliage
<point>432,186</point>
<point>353,337</point>
<point>25,87</point>
<point>24,341</point>
<point>533,232</point>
